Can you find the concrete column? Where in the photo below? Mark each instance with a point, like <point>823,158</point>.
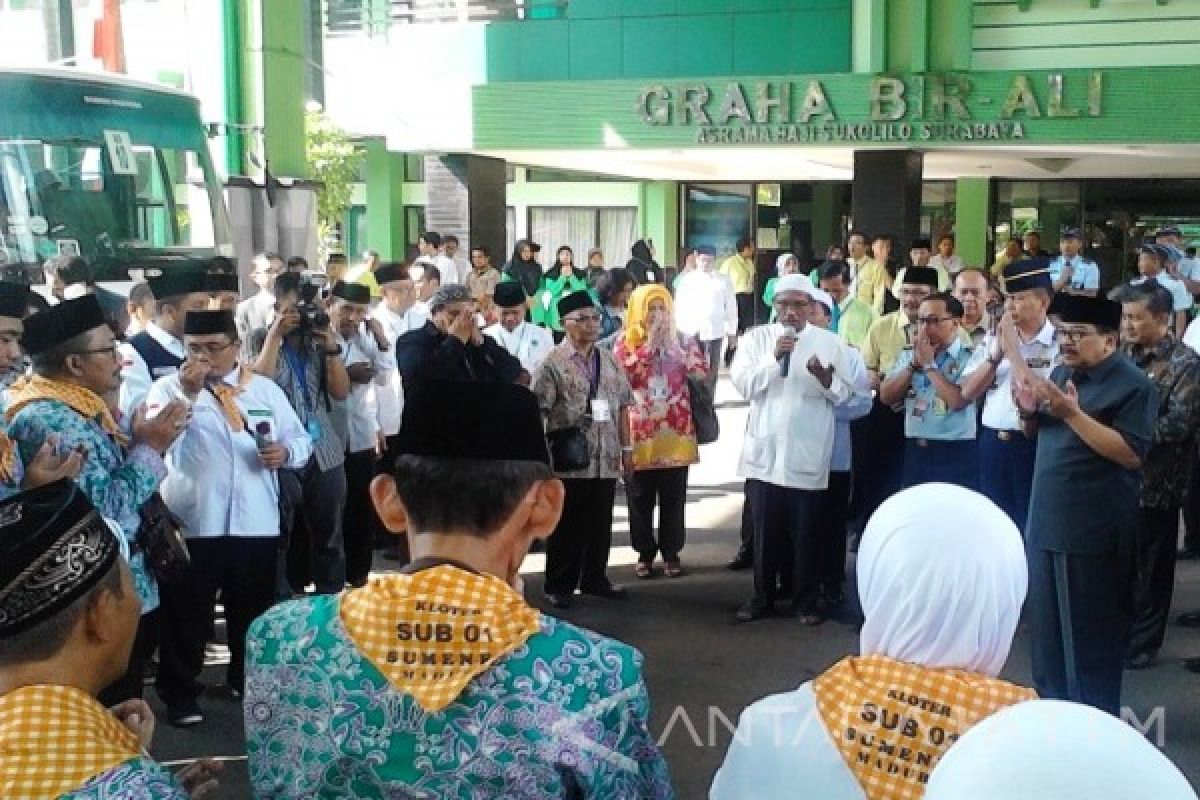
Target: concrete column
<point>385,200</point>
<point>887,193</point>
<point>972,199</point>
<point>658,220</point>
<point>466,196</point>
<point>274,76</point>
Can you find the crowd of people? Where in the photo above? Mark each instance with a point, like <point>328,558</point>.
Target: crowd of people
<point>995,440</point>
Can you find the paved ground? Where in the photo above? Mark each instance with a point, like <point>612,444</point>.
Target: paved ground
<point>702,669</point>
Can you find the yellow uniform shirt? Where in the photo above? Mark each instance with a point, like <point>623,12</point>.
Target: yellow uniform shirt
<point>741,273</point>
<point>886,337</point>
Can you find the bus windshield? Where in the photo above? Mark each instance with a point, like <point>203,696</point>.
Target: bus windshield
<point>130,193</point>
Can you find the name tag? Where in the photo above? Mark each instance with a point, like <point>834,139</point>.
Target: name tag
<point>259,412</point>
<point>650,275</point>
<point>658,388</point>
<point>161,372</point>
<point>601,411</point>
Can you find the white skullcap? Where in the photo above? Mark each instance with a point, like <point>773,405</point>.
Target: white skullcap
<point>821,296</point>
<point>794,283</point>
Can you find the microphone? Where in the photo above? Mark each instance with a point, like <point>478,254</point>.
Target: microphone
<point>785,360</point>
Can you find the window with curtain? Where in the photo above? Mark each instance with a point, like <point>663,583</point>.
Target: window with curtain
<point>613,230</point>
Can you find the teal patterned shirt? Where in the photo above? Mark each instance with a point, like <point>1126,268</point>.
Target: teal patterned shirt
<point>136,779</point>
<point>563,716</point>
<point>117,482</point>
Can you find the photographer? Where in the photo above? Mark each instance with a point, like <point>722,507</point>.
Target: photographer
<point>301,353</point>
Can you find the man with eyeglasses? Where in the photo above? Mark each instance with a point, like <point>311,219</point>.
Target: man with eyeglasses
<point>158,351</point>
<point>258,312</point>
<point>793,374</point>
<point>971,288</point>
<point>1094,418</point>
<point>939,422</point>
<point>221,482</point>
<point>75,364</point>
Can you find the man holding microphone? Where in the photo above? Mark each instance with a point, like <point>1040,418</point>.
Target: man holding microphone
<point>221,483</point>
<point>793,374</point>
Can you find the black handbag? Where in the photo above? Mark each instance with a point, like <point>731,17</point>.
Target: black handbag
<point>570,450</point>
<point>160,538</point>
<point>704,412</point>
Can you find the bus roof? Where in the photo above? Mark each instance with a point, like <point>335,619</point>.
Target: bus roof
<point>101,78</point>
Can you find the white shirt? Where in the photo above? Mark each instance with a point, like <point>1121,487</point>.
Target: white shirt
<point>463,267</point>
<point>529,343</point>
<point>1085,274</point>
<point>257,312</point>
<point>1040,354</point>
<point>789,436</point>
<point>857,406</point>
<point>444,265</point>
<point>362,410</point>
<point>135,375</point>
<point>705,305</point>
<point>1191,337</point>
<point>1190,268</point>
<point>389,397</point>
<point>215,482</point>
<point>952,264</point>
<point>1181,297</point>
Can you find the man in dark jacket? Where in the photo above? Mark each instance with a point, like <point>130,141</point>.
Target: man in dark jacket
<point>452,347</point>
<point>642,266</point>
<point>523,267</point>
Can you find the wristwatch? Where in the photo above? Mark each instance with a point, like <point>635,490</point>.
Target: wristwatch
<point>332,353</point>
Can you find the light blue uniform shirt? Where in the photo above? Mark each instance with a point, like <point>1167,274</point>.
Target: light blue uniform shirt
<point>856,406</point>
<point>926,415</point>
<point>1085,273</point>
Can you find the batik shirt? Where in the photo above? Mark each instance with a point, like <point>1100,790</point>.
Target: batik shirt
<point>12,469</point>
<point>117,482</point>
<point>663,429</point>
<point>1175,370</point>
<point>562,716</point>
<point>139,779</point>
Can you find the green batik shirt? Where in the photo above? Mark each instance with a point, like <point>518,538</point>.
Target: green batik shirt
<point>565,715</point>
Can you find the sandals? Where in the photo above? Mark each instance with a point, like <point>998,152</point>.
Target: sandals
<point>673,570</point>
<point>644,570</point>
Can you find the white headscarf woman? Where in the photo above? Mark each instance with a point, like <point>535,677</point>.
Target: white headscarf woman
<point>941,577</point>
<point>1053,750</point>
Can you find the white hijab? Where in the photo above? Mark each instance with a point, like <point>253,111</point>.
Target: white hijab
<point>783,259</point>
<point>941,577</point>
<point>1053,750</point>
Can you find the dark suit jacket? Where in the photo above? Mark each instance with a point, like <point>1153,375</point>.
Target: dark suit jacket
<point>427,354</point>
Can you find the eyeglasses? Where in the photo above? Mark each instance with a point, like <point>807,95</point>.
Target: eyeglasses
<point>798,305</point>
<point>211,349</point>
<point>584,319</point>
<point>931,321</point>
<point>111,351</point>
<point>1074,334</point>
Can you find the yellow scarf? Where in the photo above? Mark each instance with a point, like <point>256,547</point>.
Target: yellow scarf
<point>85,402</point>
<point>8,458</point>
<point>892,721</point>
<point>226,395</point>
<point>637,312</point>
<point>54,739</point>
<point>432,632</point>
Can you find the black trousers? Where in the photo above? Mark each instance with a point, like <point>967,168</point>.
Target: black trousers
<point>745,308</point>
<point>747,526</point>
<point>1191,512</point>
<point>666,488</point>
<point>359,522</point>
<point>833,507</point>
<point>1079,611</point>
<point>713,351</point>
<point>315,550</point>
<point>131,685</point>
<point>242,570</point>
<point>1157,540</point>
<point>784,551</point>
<point>577,552</point>
<point>878,443</point>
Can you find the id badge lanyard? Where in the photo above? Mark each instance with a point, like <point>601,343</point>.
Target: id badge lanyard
<point>299,369</point>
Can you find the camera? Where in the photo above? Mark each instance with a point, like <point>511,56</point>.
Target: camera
<point>312,312</point>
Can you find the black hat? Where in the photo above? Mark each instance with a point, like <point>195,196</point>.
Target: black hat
<point>509,294</point>
<point>14,299</point>
<point>1025,274</point>
<point>54,548</point>
<point>1169,230</point>
<point>922,243</point>
<point>432,238</point>
<point>447,419</point>
<point>68,319</point>
<point>1159,251</point>
<point>1072,233</point>
<point>220,282</point>
<point>575,301</point>
<point>1083,310</point>
<point>390,273</point>
<point>352,292</point>
<point>177,282</point>
<point>203,323</point>
<point>921,276</point>
<point>706,250</point>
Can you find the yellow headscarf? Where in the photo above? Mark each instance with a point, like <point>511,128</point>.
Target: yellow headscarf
<point>638,312</point>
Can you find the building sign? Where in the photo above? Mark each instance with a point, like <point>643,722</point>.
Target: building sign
<point>923,108</point>
<point>987,108</point>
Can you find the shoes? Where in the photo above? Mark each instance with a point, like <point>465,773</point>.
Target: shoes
<point>743,560</point>
<point>1141,661</point>
<point>1190,619</point>
<point>674,570</point>
<point>185,715</point>
<point>609,592</point>
<point>755,609</point>
<point>1192,665</point>
<point>644,570</point>
<point>560,601</point>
